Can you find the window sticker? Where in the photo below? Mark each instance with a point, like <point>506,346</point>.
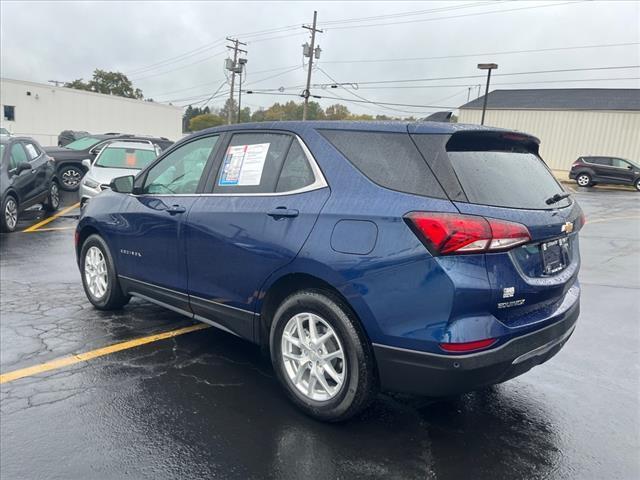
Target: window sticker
<point>243,165</point>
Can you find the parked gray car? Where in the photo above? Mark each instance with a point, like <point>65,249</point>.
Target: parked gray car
<point>115,160</point>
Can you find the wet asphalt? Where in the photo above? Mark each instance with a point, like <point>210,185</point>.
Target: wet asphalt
<point>207,405</point>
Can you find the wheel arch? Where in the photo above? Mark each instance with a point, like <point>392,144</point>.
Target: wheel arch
<point>82,233</point>
<point>292,282</point>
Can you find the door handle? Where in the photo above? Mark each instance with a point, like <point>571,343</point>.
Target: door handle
<point>33,170</point>
<point>281,212</point>
<point>172,210</point>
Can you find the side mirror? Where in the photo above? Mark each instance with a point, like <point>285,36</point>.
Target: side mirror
<point>122,184</point>
<point>22,167</point>
<point>630,167</point>
<point>87,163</point>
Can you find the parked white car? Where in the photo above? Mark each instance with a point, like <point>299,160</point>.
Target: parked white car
<point>115,160</point>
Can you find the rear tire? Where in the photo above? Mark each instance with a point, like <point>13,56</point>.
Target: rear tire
<point>70,177</point>
<point>637,184</point>
<point>99,277</point>
<point>331,379</point>
<point>584,180</point>
<point>53,199</point>
<point>10,214</point>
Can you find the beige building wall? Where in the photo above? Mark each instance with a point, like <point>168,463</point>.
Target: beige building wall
<point>43,111</point>
<point>566,135</point>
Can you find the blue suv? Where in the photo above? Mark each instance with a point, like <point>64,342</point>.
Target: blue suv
<point>425,258</point>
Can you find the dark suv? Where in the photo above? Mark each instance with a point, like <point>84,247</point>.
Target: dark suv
<point>407,257</point>
<point>589,171</point>
<point>27,177</point>
<point>69,167</point>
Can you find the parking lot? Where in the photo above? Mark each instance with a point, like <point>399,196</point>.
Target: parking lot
<point>200,403</point>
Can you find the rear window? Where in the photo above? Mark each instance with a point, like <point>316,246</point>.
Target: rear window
<point>389,159</point>
<point>133,158</point>
<point>83,143</point>
<point>506,179</point>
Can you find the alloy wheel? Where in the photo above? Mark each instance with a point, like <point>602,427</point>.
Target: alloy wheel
<point>11,213</point>
<point>54,196</point>
<point>95,272</point>
<point>313,357</point>
<point>583,180</point>
<point>71,178</point>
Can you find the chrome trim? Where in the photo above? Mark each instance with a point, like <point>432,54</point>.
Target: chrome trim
<point>480,353</point>
<point>187,295</point>
<point>544,348</point>
<point>319,183</point>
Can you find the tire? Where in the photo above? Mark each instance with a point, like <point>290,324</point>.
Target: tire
<point>637,184</point>
<point>101,281</point>
<point>10,214</point>
<point>53,199</point>
<point>353,383</point>
<point>70,177</point>
<point>584,180</point>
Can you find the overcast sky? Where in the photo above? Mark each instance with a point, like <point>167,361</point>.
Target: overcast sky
<point>174,51</point>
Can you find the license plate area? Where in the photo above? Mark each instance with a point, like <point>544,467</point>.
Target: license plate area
<point>555,255</point>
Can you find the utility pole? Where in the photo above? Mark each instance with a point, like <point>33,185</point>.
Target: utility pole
<point>310,51</point>
<point>232,66</point>
<point>241,63</point>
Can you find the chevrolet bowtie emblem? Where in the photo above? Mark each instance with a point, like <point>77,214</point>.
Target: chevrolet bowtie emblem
<point>567,227</point>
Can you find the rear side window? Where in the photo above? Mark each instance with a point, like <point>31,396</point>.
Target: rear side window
<point>252,163</point>
<point>389,159</point>
<point>505,179</point>
<point>296,171</point>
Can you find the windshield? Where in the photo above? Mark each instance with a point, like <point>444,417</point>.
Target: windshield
<point>4,131</point>
<point>506,179</point>
<point>131,158</point>
<point>1,151</point>
<point>83,143</point>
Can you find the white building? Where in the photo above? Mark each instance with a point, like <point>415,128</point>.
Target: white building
<point>42,111</point>
<point>569,122</point>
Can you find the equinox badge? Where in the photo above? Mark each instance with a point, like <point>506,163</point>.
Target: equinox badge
<point>567,228</point>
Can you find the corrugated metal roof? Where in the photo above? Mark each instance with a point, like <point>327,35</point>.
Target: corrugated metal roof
<point>561,99</point>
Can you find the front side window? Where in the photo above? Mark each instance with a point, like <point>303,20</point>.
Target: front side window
<point>252,163</point>
<point>180,171</point>
<point>618,162</point>
<point>119,157</point>
<point>83,143</point>
<point>18,156</point>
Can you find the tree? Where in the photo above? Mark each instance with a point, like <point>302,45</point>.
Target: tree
<point>191,112</point>
<point>232,105</point>
<point>206,120</point>
<point>110,83</point>
<point>337,112</point>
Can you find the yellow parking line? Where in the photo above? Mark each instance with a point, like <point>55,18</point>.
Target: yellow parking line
<point>35,227</point>
<point>83,357</point>
<point>51,229</point>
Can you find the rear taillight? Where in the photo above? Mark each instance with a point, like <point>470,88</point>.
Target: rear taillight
<point>575,164</point>
<point>451,233</point>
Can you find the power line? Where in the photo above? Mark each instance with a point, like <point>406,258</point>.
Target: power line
<point>180,57</point>
<point>465,55</point>
<point>178,68</point>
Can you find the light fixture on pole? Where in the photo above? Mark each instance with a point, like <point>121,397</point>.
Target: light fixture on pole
<point>488,67</point>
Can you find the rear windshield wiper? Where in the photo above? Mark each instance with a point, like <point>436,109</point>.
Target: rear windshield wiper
<point>557,197</point>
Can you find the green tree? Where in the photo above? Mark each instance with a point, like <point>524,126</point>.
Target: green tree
<point>229,105</point>
<point>206,120</point>
<point>110,83</point>
<point>337,112</point>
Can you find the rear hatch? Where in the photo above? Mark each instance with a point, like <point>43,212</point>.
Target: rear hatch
<point>499,175</point>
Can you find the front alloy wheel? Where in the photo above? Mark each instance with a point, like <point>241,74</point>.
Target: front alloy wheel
<point>638,184</point>
<point>10,214</point>
<point>313,357</point>
<point>53,200</point>
<point>70,177</point>
<point>95,273</point>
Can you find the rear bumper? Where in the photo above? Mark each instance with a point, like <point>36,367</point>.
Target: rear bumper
<point>433,374</point>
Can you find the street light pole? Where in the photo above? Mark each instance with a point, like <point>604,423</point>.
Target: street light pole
<point>488,67</point>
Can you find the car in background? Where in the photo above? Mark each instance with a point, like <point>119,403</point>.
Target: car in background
<point>68,136</point>
<point>407,257</point>
<point>27,177</point>
<point>4,131</point>
<point>69,166</point>
<point>115,160</point>
<point>590,171</point>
